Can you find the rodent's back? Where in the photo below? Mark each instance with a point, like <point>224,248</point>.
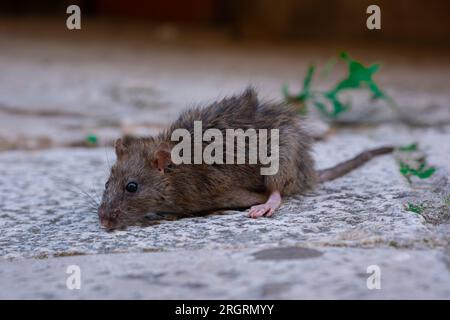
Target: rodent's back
<point>240,112</point>
<point>296,167</point>
<point>229,113</point>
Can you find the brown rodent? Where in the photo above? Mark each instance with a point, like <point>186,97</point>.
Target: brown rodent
<point>144,179</point>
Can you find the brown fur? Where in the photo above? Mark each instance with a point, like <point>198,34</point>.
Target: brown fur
<point>197,188</point>
<point>189,189</point>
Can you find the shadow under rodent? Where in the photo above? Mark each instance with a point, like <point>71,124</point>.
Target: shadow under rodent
<point>144,179</point>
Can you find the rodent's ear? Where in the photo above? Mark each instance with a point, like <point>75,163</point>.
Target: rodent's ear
<point>162,157</point>
<point>120,148</point>
<point>123,144</point>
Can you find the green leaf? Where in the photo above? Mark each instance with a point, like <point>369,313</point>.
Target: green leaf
<point>338,106</point>
<point>418,209</point>
<point>426,173</point>
<point>408,148</point>
<point>92,140</point>
<point>308,78</point>
<point>405,171</point>
<point>305,93</point>
<point>423,172</point>
<point>377,93</point>
<point>322,108</point>
<point>358,77</point>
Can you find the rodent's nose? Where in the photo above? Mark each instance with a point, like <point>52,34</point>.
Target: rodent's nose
<point>107,217</point>
<point>108,224</point>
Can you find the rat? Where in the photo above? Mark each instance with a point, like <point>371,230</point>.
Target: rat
<point>144,178</point>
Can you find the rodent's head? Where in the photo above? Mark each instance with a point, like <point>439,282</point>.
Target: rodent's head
<point>137,182</point>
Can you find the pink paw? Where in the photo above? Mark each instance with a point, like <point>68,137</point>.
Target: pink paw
<point>261,210</point>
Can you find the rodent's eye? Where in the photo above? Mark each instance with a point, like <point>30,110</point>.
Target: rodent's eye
<point>131,187</point>
<point>106,185</point>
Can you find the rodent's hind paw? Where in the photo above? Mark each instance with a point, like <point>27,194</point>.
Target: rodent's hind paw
<point>268,208</point>
<point>261,210</point>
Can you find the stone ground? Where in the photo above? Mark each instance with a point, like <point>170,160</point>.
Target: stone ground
<point>57,87</point>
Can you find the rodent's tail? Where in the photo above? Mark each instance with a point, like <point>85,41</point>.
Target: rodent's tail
<point>345,167</point>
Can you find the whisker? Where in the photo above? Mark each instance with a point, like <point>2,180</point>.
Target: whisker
<point>94,192</point>
<point>108,162</point>
<point>79,191</point>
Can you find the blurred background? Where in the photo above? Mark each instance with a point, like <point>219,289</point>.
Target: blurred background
<point>135,64</point>
<point>404,20</point>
